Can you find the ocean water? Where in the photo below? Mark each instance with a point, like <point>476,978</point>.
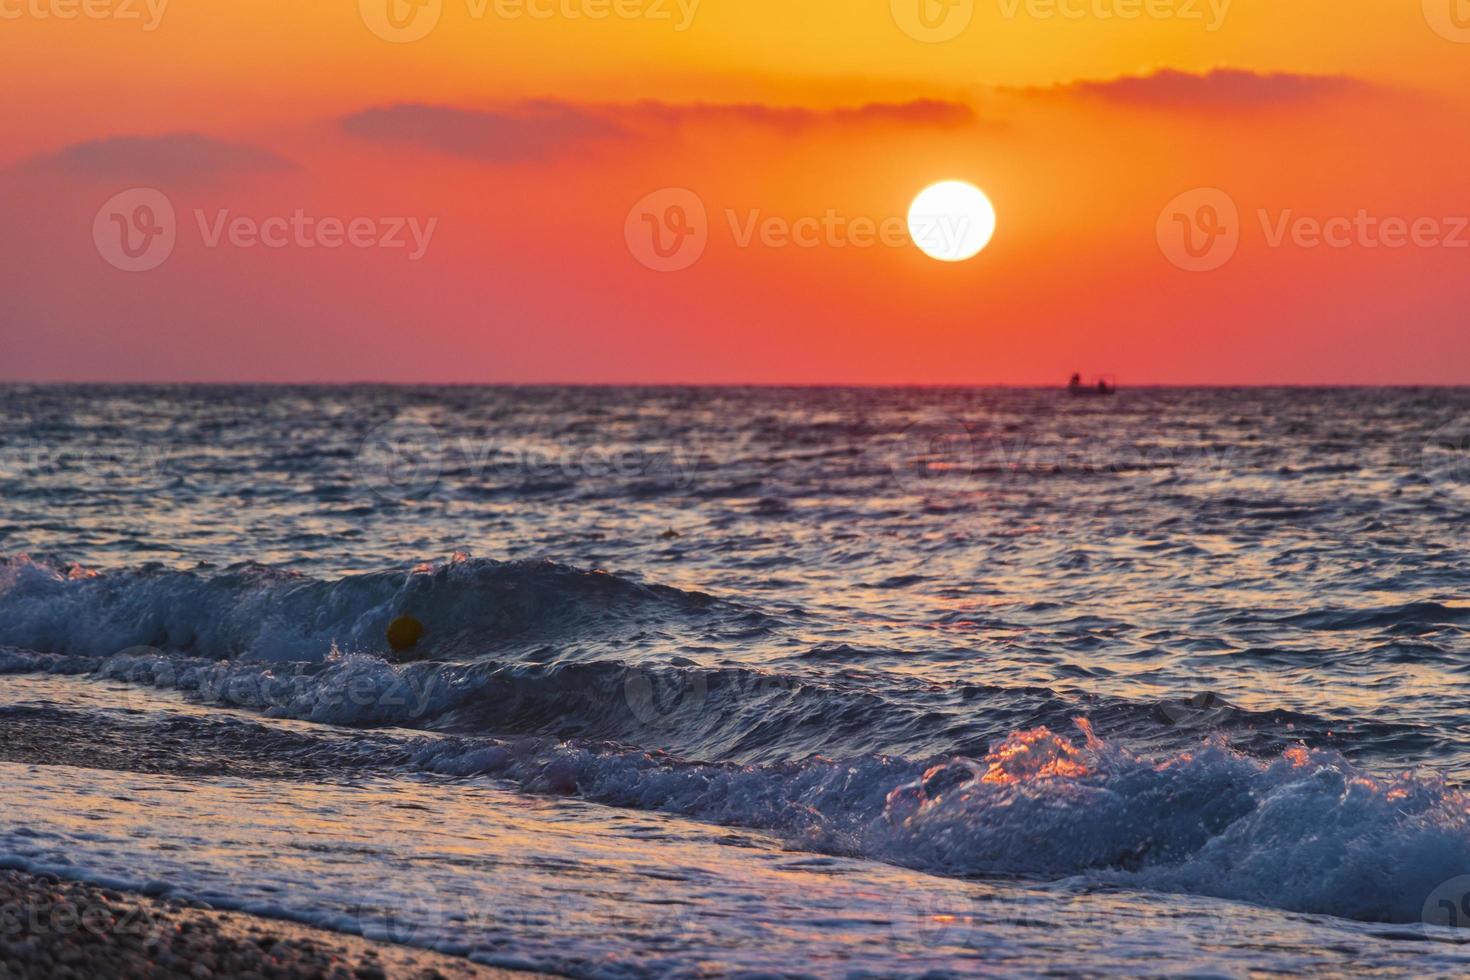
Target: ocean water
<point>829,682</point>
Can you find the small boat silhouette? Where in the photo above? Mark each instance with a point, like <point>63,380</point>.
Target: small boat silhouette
<point>1104,386</point>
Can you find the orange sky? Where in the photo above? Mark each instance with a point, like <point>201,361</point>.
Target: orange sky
<point>519,135</point>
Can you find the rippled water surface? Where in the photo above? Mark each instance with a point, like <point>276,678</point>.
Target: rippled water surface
<point>1202,651</point>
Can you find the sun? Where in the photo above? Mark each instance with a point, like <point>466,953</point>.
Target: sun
<point>951,221</point>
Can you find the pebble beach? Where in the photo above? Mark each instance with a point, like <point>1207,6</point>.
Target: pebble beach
<point>65,929</point>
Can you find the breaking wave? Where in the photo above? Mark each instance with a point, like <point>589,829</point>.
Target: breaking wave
<point>255,612</point>
<point>1303,830</point>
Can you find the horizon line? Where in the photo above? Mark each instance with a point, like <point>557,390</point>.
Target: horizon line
<point>831,385</point>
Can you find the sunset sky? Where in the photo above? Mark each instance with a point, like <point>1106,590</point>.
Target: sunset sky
<point>517,139</point>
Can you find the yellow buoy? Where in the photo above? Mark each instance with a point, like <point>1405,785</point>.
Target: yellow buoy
<point>404,633</point>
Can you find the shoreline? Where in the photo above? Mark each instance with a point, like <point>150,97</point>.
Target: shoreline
<point>54,927</point>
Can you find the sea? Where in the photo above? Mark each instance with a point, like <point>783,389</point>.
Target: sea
<point>762,682</point>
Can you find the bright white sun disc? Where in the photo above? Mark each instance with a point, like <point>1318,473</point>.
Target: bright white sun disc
<point>951,221</point>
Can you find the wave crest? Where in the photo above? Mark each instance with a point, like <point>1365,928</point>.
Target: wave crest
<point>255,612</point>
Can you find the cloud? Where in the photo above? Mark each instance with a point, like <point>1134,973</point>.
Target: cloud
<point>1221,88</point>
<point>172,158</point>
<point>534,131</point>
<point>920,112</point>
